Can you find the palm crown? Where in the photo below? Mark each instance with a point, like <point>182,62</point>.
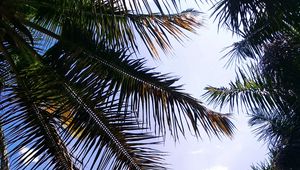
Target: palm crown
<point>71,92</point>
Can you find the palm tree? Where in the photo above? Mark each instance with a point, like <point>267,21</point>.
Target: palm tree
<point>72,93</point>
<point>268,84</point>
<point>270,90</point>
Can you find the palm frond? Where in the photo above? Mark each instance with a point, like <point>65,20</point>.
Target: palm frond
<point>4,163</point>
<point>281,131</point>
<point>115,23</point>
<point>31,130</point>
<point>46,92</point>
<point>253,43</point>
<point>249,90</point>
<point>271,126</point>
<point>274,73</point>
<point>258,23</point>
<point>270,91</point>
<point>119,135</point>
<point>99,134</point>
<point>138,87</point>
<point>241,14</point>
<point>26,123</point>
<point>262,166</point>
<point>4,79</point>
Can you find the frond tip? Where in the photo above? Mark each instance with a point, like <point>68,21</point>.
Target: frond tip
<point>222,123</point>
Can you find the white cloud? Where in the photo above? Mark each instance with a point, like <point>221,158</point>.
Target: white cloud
<point>218,167</point>
<point>197,151</point>
<point>28,154</point>
<point>219,147</point>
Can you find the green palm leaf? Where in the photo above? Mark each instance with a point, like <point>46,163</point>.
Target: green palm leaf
<point>250,90</point>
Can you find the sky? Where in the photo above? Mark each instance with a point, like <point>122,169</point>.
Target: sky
<point>198,63</point>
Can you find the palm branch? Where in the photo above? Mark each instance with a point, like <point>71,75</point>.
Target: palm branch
<point>111,20</point>
<point>250,90</point>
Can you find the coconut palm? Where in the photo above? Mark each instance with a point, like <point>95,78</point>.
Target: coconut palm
<point>73,96</point>
<point>268,84</point>
<point>270,90</point>
<point>269,32</point>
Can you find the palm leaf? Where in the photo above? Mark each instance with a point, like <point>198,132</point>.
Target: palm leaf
<point>4,162</point>
<point>258,23</point>
<point>262,166</point>
<point>241,14</point>
<point>271,126</point>
<point>32,130</point>
<point>112,21</point>
<point>118,139</point>
<point>135,86</point>
<point>281,131</point>
<point>117,154</point>
<point>3,154</point>
<point>122,148</point>
<point>250,90</point>
<point>26,117</point>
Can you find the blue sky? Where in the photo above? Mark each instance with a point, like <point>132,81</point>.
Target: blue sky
<point>198,63</point>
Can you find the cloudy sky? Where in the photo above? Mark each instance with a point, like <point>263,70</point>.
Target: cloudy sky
<point>198,63</point>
